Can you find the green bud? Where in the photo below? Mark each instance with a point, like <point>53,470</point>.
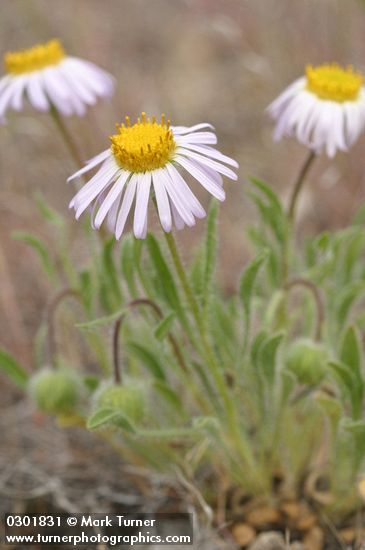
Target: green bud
<point>307,360</point>
<point>129,399</point>
<point>55,391</point>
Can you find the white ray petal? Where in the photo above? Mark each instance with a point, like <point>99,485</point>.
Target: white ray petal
<point>221,168</point>
<point>178,221</point>
<point>98,159</point>
<point>176,198</point>
<point>195,170</point>
<point>36,94</point>
<point>126,206</point>
<point>110,199</point>
<point>195,206</point>
<point>141,208</point>
<point>210,152</point>
<point>187,129</point>
<point>205,138</point>
<point>163,205</point>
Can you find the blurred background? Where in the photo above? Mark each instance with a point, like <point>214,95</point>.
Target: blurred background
<point>220,61</point>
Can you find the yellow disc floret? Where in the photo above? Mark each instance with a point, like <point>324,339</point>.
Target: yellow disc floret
<point>145,146</point>
<point>35,58</point>
<point>333,82</point>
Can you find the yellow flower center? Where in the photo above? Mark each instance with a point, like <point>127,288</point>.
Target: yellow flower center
<point>35,58</point>
<point>145,146</point>
<point>333,82</point>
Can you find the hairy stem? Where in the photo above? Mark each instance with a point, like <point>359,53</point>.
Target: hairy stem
<point>298,185</point>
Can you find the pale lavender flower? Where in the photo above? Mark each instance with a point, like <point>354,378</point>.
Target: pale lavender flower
<point>147,156</point>
<point>325,110</point>
<point>47,77</point>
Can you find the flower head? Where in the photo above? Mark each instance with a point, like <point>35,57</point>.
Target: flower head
<point>48,77</point>
<point>145,156</point>
<point>325,109</point>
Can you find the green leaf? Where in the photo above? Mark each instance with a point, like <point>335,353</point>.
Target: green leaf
<point>204,378</point>
<point>206,423</point>
<point>91,382</point>
<point>288,383</point>
<point>40,249</point>
<point>86,289</point>
<point>269,193</point>
<point>128,266</point>
<point>353,252</point>
<point>169,434</point>
<point>109,272</point>
<point>359,216</point>
<point>164,327</point>
<point>197,273</point>
<point>107,416</point>
<point>357,429</point>
<point>164,282</point>
<point>267,357</point>
<point>169,395</point>
<point>257,343</point>
<point>351,355</point>
<point>271,210</point>
<point>95,324</point>
<point>349,386</point>
<point>346,298</point>
<point>210,252</point>
<point>247,286</point>
<point>148,358</point>
<point>12,369</point>
<point>48,213</point>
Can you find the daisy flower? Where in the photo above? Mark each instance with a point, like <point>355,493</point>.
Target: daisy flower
<point>147,156</point>
<point>47,77</point>
<point>325,109</point>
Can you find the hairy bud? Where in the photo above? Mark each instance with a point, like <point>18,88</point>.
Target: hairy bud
<point>307,360</point>
<point>129,399</point>
<point>55,391</point>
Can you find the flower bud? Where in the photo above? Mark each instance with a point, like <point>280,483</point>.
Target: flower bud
<point>55,391</point>
<point>129,399</point>
<point>307,360</point>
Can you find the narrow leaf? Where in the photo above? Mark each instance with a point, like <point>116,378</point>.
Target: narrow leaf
<point>148,358</point>
<point>12,369</point>
<point>48,213</point>
<point>210,252</point>
<point>247,286</point>
<point>108,416</point>
<point>40,249</point>
<point>164,327</point>
<point>95,324</point>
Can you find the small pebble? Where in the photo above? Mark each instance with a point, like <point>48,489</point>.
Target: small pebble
<point>269,541</point>
<point>265,515</point>
<point>243,534</point>
<point>313,540</point>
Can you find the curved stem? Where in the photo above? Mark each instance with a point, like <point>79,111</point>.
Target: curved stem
<point>116,332</point>
<point>116,358</point>
<point>299,184</point>
<point>51,314</point>
<point>317,299</point>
